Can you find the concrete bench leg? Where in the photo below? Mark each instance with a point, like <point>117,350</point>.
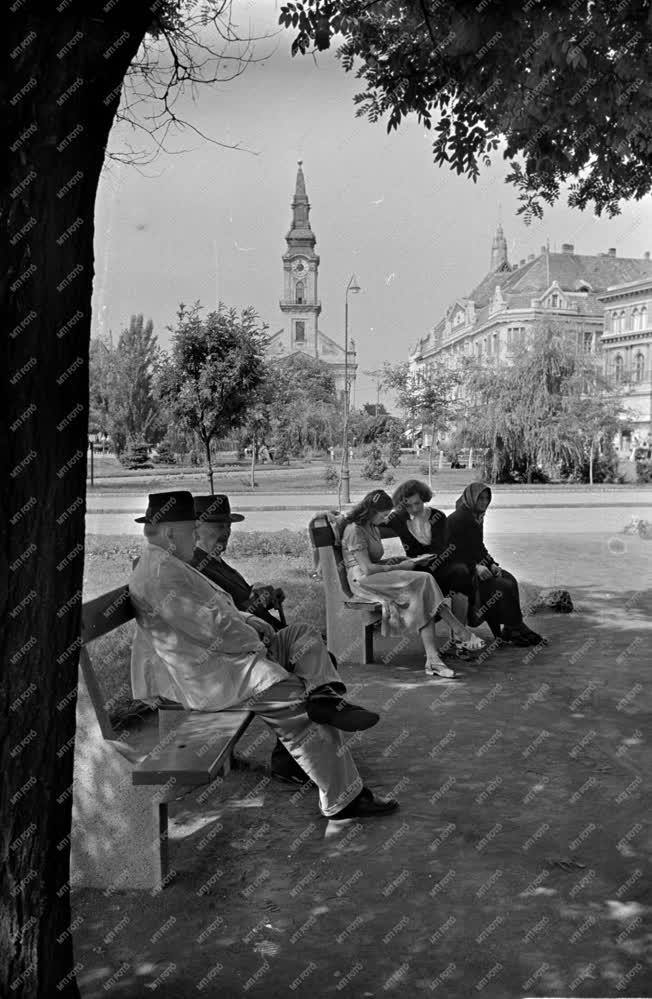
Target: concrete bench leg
<point>368,644</point>
<point>119,832</point>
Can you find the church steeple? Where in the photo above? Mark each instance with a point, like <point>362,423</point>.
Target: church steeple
<point>300,237</point>
<point>499,259</point>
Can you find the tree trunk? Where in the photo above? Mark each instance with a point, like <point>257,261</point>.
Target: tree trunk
<point>252,475</point>
<point>591,464</point>
<point>432,444</point>
<point>209,465</point>
<point>66,72</point>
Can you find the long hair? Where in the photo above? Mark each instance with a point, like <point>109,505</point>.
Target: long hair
<point>374,502</point>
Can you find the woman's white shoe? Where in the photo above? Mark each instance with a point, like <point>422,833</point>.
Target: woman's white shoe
<point>437,668</point>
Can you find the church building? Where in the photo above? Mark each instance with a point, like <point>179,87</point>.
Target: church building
<point>300,304</point>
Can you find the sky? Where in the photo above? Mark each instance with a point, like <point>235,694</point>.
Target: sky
<point>204,222</point>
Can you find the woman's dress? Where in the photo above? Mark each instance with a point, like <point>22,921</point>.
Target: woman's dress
<point>409,599</point>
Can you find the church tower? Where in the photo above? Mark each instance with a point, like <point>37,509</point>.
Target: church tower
<point>300,305</point>
<point>499,260</point>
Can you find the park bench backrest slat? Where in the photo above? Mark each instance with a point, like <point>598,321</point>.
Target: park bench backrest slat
<point>103,614</point>
<point>323,536</point>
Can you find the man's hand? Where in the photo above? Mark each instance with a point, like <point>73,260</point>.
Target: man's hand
<point>264,629</point>
<point>496,570</point>
<point>263,596</point>
<point>483,572</point>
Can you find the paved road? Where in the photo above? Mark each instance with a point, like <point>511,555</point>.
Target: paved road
<point>551,520</point>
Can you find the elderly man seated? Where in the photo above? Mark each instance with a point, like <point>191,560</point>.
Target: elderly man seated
<point>193,645</point>
<point>214,519</point>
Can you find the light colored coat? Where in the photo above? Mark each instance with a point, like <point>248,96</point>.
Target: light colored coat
<point>192,644</point>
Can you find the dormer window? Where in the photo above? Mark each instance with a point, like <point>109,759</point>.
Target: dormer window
<point>554,301</point>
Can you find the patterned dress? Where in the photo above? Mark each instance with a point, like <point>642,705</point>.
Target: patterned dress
<point>409,599</point>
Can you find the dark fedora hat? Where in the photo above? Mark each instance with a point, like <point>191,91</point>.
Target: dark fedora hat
<point>166,508</point>
<point>215,510</point>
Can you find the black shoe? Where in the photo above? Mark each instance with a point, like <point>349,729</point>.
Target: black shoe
<point>365,806</point>
<point>340,714</point>
<point>522,636</point>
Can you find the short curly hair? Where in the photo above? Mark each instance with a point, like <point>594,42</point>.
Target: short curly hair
<point>409,488</point>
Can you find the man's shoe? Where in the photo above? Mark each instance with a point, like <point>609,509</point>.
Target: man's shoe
<point>365,806</point>
<point>340,714</point>
<point>522,636</point>
<point>284,767</point>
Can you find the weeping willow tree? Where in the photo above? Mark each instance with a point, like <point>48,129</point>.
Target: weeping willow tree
<point>551,408</point>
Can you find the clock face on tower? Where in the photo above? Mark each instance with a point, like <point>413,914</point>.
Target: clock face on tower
<point>299,267</point>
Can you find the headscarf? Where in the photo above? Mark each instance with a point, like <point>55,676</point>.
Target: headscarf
<point>469,499</point>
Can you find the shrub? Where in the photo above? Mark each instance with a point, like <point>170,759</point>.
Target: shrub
<point>136,456</point>
<point>164,454</point>
<point>644,471</point>
<point>389,478</point>
<point>375,465</point>
<point>331,476</point>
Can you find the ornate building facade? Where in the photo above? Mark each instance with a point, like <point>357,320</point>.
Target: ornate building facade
<point>300,304</point>
<point>627,346</point>
<point>500,315</point>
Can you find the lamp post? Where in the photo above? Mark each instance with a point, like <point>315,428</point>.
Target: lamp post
<point>354,287</point>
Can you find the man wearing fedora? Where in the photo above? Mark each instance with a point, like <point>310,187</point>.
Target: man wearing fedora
<point>214,519</point>
<point>193,645</point>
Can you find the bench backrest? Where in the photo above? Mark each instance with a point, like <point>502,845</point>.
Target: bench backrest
<point>99,617</point>
<point>322,535</point>
<point>104,613</point>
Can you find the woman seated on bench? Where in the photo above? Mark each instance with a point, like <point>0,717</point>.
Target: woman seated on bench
<point>496,599</point>
<point>422,532</point>
<point>410,599</point>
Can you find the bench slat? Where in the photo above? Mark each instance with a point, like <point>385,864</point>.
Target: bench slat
<point>196,751</point>
<point>103,614</point>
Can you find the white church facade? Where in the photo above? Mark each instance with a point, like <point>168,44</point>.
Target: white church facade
<point>300,304</point>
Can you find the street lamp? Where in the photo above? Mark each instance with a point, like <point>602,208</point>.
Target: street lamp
<point>354,287</point>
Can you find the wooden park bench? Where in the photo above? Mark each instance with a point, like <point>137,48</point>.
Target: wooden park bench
<point>350,622</point>
<point>121,796</point>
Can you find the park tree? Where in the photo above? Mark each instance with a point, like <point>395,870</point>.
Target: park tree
<point>552,406</point>
<point>304,409</point>
<point>428,398</point>
<point>73,67</point>
<point>133,405</point>
<point>212,372</point>
<point>563,91</point>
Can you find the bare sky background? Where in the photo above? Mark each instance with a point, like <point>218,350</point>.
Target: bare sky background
<point>209,223</point>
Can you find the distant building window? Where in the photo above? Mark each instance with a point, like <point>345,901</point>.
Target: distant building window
<point>619,366</point>
<point>588,343</point>
<point>554,301</point>
<point>479,348</point>
<point>639,368</point>
<point>642,317</point>
<point>299,293</point>
<point>628,325</point>
<point>299,331</point>
<point>495,343</point>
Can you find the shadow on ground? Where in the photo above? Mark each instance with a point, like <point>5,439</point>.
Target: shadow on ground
<point>518,864</point>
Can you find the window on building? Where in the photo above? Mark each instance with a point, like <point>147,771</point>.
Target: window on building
<point>299,331</point>
<point>588,343</point>
<point>554,301</point>
<point>619,367</point>
<point>642,317</point>
<point>639,367</point>
<point>628,320</point>
<point>299,293</point>
<point>494,343</point>
<point>478,348</point>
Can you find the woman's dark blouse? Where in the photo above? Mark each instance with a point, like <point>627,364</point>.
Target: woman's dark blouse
<point>398,522</point>
<point>466,535</point>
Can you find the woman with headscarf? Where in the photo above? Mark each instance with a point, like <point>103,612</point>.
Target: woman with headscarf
<point>410,600</point>
<point>496,599</point>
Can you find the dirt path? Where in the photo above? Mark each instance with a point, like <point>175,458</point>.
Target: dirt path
<point>518,864</point>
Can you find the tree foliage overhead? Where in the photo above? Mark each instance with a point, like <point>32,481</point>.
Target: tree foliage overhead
<point>566,87</point>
